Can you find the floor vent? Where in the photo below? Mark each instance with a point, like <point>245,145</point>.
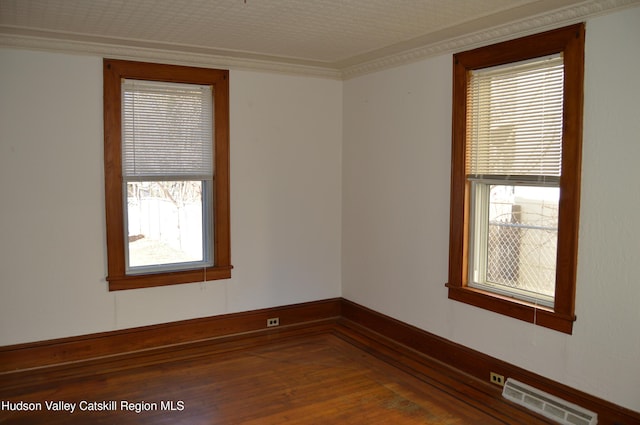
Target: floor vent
<point>547,405</point>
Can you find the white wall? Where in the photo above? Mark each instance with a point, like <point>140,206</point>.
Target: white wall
<point>396,167</point>
<point>285,201</point>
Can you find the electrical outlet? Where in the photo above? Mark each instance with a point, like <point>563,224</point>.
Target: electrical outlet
<point>274,321</point>
<point>496,379</point>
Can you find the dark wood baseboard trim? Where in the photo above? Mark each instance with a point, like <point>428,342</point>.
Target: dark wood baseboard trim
<point>88,347</point>
<point>479,394</point>
<point>308,373</point>
<point>343,315</point>
<point>475,363</point>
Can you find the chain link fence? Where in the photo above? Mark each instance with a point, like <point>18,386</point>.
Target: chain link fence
<point>522,255</point>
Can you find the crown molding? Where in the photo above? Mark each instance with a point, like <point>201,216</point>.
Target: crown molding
<point>542,22</point>
<point>189,55</point>
<point>162,54</point>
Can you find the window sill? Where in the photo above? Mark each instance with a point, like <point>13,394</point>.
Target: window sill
<point>119,283</point>
<point>522,310</point>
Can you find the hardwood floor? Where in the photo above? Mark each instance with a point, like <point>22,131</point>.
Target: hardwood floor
<point>321,374</point>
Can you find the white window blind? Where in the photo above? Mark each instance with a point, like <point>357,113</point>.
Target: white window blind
<point>514,121</point>
<point>167,131</point>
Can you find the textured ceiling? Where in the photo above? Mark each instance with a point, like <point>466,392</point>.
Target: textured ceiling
<point>333,34</point>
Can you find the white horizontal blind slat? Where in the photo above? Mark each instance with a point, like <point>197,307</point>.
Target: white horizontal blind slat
<point>167,131</point>
<point>514,119</point>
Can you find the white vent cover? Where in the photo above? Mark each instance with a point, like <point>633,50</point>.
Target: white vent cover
<point>547,405</point>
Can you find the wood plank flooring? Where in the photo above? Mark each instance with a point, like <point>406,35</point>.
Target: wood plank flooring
<point>323,374</point>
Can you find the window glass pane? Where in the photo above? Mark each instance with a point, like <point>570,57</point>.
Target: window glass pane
<point>522,238</point>
<point>165,223</point>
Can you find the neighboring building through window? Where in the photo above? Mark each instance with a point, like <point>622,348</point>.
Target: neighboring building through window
<point>516,150</point>
<point>166,174</point>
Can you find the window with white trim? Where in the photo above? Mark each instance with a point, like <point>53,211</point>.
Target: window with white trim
<point>514,158</point>
<point>167,171</point>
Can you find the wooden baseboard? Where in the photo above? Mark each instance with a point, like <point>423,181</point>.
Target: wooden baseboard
<point>476,363</point>
<point>338,311</point>
<point>87,347</point>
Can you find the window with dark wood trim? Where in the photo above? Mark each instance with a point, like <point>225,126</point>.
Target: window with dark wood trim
<point>559,315</point>
<point>215,235</point>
